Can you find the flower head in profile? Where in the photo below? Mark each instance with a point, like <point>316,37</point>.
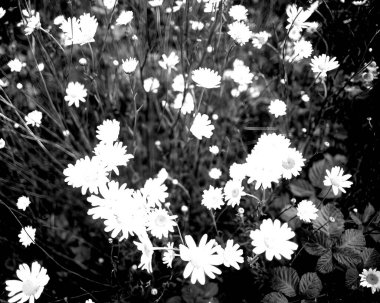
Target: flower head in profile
<point>178,84</point>
<point>238,12</point>
<point>240,32</point>
<point>79,31</point>
<point>112,155</point>
<point>232,254</point>
<point>273,239</point>
<point>27,235</point>
<point>206,78</point>
<point>75,93</point>
<point>370,278</point>
<point>202,259</point>
<point>297,16</point>
<point>259,39</point>
<point>15,65</point>
<point>87,173</point>
<point>30,285</point>
<point>146,248</point>
<point>169,255</point>
<point>160,223</point>
<point>169,62</point>
<point>108,131</point>
<point>124,18</point>
<point>202,127</point>
<point>212,198</point>
<point>109,4</point>
<point>151,85</point>
<point>323,64</point>
<point>233,191</point>
<point>337,180</point>
<point>129,65</point>
<point>23,202</point>
<point>307,211</point>
<point>277,108</point>
<point>32,21</point>
<point>34,118</point>
<point>155,192</point>
<point>2,12</point>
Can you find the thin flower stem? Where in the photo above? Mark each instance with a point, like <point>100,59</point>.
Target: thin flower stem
<point>324,198</point>
<point>214,222</point>
<point>165,248</point>
<point>249,195</point>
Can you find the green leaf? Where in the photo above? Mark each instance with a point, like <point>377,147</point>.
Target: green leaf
<point>325,263</point>
<point>347,257</point>
<point>330,220</point>
<point>310,285</point>
<point>318,245</point>
<point>370,257</point>
<point>301,188</point>
<point>274,297</point>
<point>317,172</point>
<point>369,211</point>
<point>352,238</point>
<point>351,279</point>
<point>285,280</point>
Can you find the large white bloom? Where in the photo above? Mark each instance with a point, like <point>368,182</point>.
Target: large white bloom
<point>337,180</point>
<point>124,18</point>
<point>307,211</point>
<point>30,285</point>
<point>273,239</point>
<point>212,198</point>
<point>108,131</point>
<point>89,174</point>
<point>232,254</point>
<point>292,163</point>
<point>160,223</point>
<point>112,155</point>
<point>79,31</point>
<point>146,248</point>
<point>155,191</point>
<point>240,32</point>
<point>370,278</point>
<point>202,127</point>
<point>297,17</point>
<point>206,78</point>
<point>75,93</point>
<point>202,259</point>
<point>323,64</point>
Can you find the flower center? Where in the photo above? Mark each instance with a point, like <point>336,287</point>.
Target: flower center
<point>289,163</point>
<point>235,193</point>
<point>160,220</point>
<point>197,257</point>
<point>372,279</point>
<point>29,288</point>
<point>269,242</point>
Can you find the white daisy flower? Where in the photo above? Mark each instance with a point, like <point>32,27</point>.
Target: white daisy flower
<point>79,31</point>
<point>124,18</point>
<point>23,202</point>
<point>370,278</point>
<point>146,247</point>
<point>27,235</point>
<point>302,49</point>
<point>155,192</point>
<point>160,223</point>
<point>196,25</point>
<point>214,149</point>
<point>212,198</point>
<point>238,12</point>
<point>273,239</point>
<point>215,173</point>
<point>241,74</point>
<point>34,118</point>
<point>240,32</point>
<point>2,143</point>
<point>32,21</point>
<point>155,3</point>
<point>202,127</point>
<point>292,163</point>
<point>259,39</point>
<point>232,254</point>
<point>178,84</point>
<point>202,259</point>
<point>337,180</point>
<point>206,78</point>
<point>169,255</point>
<point>151,85</point>
<point>277,108</point>
<point>30,285</point>
<point>323,64</point>
<point>15,65</point>
<point>297,17</point>
<point>109,4</point>
<point>188,103</point>
<point>108,131</point>
<point>233,191</point>
<point>237,171</point>
<point>59,20</point>
<point>75,93</point>
<point>129,65</point>
<point>169,62</point>
<point>307,211</point>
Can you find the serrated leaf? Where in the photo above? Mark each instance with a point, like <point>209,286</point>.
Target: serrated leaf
<point>369,211</point>
<point>355,218</point>
<point>370,257</point>
<point>347,257</point>
<point>317,172</point>
<point>351,279</point>
<point>352,238</point>
<point>318,245</point>
<point>325,263</point>
<point>285,280</point>
<point>330,220</point>
<point>274,297</point>
<point>310,285</point>
<point>301,188</point>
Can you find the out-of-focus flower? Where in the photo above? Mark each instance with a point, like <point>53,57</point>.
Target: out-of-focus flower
<point>168,256</point>
<point>155,3</point>
<point>370,278</point>
<point>212,198</point>
<point>196,25</point>
<point>188,103</point>
<point>273,239</point>
<point>108,131</point>
<point>237,171</point>
<point>89,174</point>
<point>32,21</point>
<point>259,39</point>
<point>206,78</point>
<point>302,49</point>
<point>337,180</point>
<point>241,73</point>
<point>27,235</point>
<point>34,118</point>
<point>2,12</point>
<point>155,192</point>
<point>79,31</point>
<point>75,93</point>
<point>151,85</point>
<point>59,20</point>
<point>277,108</point>
<point>307,211</point>
<point>240,32</point>
<point>15,65</point>
<point>109,4</point>
<point>214,149</point>
<point>30,285</point>
<point>2,143</point>
<point>202,127</point>
<point>160,223</point>
<point>169,62</point>
<point>232,254</point>
<point>178,84</point>
<point>129,65</point>
<point>215,173</point>
<point>202,259</point>
<point>323,64</point>
<point>124,18</point>
<point>238,12</point>
<point>233,191</point>
<point>297,17</point>
<point>211,6</point>
<point>23,202</point>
